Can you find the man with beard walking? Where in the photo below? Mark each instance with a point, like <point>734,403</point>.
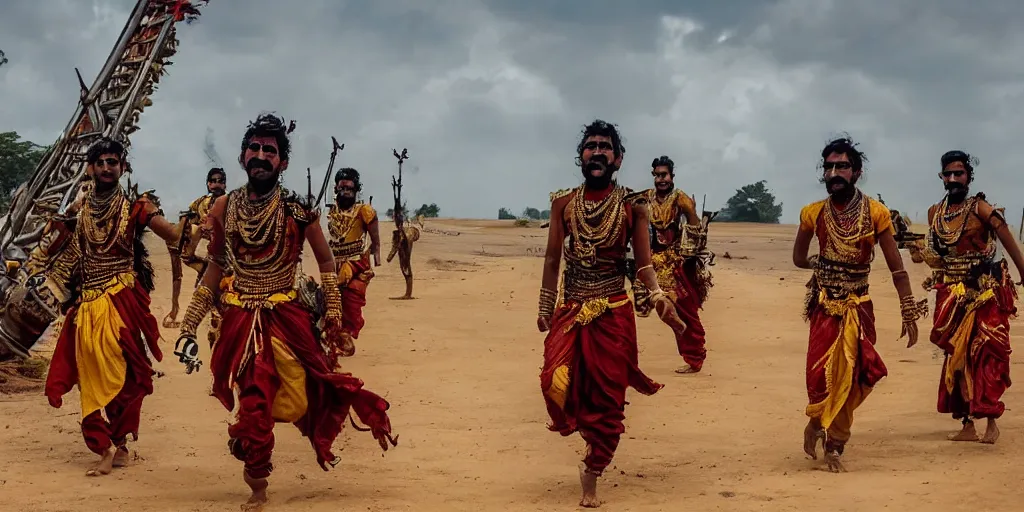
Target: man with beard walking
<point>678,260</point>
<point>348,223</point>
<point>269,354</point>
<point>590,352</point>
<point>193,226</point>
<point>975,299</point>
<point>842,364</point>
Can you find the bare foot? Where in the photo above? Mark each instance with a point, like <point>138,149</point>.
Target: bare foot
<point>812,435</point>
<point>687,369</point>
<point>259,493</point>
<point>171,320</point>
<point>105,465</point>
<point>121,457</point>
<point>991,432</point>
<point>588,481</point>
<point>834,462</point>
<point>968,433</point>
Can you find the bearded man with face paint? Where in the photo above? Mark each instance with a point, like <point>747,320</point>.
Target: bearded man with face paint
<point>269,353</point>
<point>590,352</point>
<point>348,223</point>
<point>842,363</point>
<point>193,226</point>
<point>680,270</point>
<point>108,325</point>
<point>975,299</point>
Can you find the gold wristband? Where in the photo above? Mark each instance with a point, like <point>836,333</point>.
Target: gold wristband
<point>198,307</point>
<point>332,295</point>
<point>546,304</point>
<point>911,310</point>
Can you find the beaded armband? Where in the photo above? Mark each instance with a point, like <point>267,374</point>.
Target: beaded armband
<point>911,310</point>
<point>546,304</point>
<point>201,304</point>
<point>332,296</point>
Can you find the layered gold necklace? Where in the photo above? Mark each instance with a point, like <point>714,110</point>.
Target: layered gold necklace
<point>340,222</point>
<point>662,211</point>
<point>949,226</point>
<point>258,243</point>
<point>595,224</point>
<point>847,227</point>
<point>104,219</point>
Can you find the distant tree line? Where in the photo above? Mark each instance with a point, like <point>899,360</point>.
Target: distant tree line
<point>528,213</point>
<point>431,210</point>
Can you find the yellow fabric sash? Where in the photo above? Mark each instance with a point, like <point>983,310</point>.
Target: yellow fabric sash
<point>961,339</point>
<point>840,359</point>
<point>102,368</point>
<point>290,402</point>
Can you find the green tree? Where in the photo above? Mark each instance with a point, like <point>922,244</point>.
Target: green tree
<point>18,158</point>
<point>752,203</point>
<point>429,210</point>
<point>531,213</point>
<point>505,214</point>
<point>545,215</point>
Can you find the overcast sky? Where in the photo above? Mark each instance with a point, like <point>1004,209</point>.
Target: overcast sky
<point>489,96</point>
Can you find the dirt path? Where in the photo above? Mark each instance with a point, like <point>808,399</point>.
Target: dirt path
<point>460,366</point>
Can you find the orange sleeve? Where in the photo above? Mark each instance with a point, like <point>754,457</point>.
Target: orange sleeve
<point>880,217</point>
<point>367,213</point>
<point>809,216</point>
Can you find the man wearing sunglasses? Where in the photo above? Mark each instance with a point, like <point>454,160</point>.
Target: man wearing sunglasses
<point>348,223</point>
<point>104,279</point>
<point>842,363</point>
<point>677,259</point>
<point>270,353</point>
<point>590,351</point>
<point>192,224</point>
<point>975,299</point>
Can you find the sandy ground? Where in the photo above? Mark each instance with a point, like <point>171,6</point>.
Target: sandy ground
<point>460,367</point>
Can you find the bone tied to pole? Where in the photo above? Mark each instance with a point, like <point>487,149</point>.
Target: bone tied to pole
<point>403,236</point>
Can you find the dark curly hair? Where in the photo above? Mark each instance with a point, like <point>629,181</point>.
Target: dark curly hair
<point>963,157</point>
<point>350,174</point>
<point>843,145</point>
<point>215,171</point>
<point>664,161</point>
<point>269,125</point>
<point>601,129</point>
<point>105,146</point>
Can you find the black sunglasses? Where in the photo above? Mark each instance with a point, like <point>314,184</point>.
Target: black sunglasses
<point>268,149</point>
<point>602,145</point>
<point>947,174</point>
<point>219,181</point>
<point>840,166</point>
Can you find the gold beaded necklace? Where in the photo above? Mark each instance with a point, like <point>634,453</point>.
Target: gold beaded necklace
<point>847,227</point>
<point>662,211</point>
<point>949,226</point>
<point>595,224</point>
<point>104,219</point>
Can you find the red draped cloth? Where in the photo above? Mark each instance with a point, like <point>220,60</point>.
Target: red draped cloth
<point>691,341</point>
<point>829,344</point>
<point>603,361</point>
<point>353,297</point>
<point>122,413</point>
<point>330,395</point>
<point>974,390</point>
